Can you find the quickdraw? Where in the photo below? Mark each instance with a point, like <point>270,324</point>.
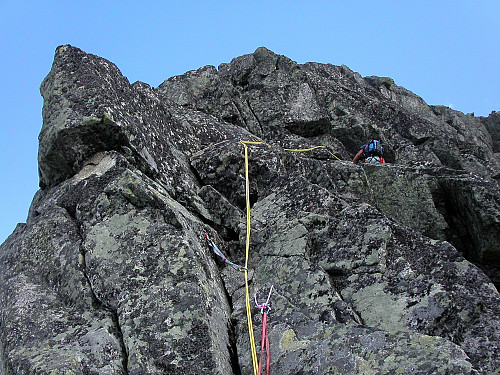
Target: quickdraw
<point>265,308</point>
<point>216,250</point>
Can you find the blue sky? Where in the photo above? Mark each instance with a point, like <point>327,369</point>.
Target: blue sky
<point>448,52</point>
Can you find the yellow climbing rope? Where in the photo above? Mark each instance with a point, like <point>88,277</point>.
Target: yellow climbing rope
<point>310,149</point>
<point>247,243</point>
<point>247,251</point>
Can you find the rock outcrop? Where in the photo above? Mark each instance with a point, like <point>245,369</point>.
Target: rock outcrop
<point>376,269</point>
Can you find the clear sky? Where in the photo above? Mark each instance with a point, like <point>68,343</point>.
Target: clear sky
<point>448,52</point>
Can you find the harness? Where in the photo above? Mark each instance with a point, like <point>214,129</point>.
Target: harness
<point>373,152</point>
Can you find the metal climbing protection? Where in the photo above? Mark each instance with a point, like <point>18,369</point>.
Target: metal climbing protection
<point>265,308</point>
<point>216,250</point>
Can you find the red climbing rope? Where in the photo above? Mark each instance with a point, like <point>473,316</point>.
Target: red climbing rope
<point>264,343</point>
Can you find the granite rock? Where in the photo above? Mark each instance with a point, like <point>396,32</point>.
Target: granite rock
<point>375,269</point>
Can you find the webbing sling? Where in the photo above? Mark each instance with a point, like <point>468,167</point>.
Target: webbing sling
<point>216,250</point>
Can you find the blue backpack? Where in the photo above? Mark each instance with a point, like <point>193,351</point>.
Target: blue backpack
<point>374,148</point>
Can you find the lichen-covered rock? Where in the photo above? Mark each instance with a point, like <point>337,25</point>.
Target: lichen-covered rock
<point>127,256</point>
<point>369,265</point>
<point>50,321</point>
<point>405,196</point>
<point>492,124</point>
<point>473,208</point>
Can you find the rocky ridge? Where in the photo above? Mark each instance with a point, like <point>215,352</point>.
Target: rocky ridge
<point>375,268</point>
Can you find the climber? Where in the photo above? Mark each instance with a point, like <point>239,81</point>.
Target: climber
<point>372,152</point>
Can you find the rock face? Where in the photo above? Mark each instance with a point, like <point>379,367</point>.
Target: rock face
<point>374,267</point>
